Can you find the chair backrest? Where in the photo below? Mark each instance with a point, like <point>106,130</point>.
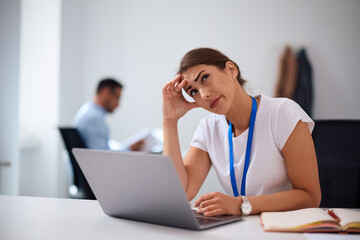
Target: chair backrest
<point>72,139</point>
<point>337,144</point>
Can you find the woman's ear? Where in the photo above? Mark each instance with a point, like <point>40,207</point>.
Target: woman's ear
<point>230,66</point>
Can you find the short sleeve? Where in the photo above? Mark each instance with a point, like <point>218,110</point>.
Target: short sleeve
<point>199,137</point>
<point>288,114</point>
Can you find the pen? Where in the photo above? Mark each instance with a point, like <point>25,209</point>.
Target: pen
<point>333,215</point>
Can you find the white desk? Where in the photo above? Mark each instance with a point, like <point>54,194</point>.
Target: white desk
<point>51,218</point>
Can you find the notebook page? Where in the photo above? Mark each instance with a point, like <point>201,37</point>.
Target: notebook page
<point>347,215</point>
<point>296,218</point>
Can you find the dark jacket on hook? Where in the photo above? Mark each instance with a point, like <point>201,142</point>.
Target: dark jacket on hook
<point>304,88</point>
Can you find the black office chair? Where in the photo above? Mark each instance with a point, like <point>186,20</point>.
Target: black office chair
<point>337,144</point>
<point>72,139</point>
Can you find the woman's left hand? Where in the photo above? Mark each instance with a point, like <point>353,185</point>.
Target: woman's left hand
<point>215,204</point>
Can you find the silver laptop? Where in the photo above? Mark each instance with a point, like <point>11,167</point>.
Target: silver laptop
<point>142,187</point>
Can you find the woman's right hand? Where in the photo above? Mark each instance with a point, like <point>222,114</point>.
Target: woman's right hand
<point>174,104</point>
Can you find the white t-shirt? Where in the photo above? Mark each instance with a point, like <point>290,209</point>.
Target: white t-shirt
<point>276,118</point>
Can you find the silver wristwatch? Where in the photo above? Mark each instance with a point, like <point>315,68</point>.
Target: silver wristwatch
<point>246,206</point>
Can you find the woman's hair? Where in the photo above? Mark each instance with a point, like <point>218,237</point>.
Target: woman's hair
<point>207,56</point>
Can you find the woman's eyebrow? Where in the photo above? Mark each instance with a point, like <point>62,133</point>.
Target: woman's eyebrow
<point>197,77</point>
<point>195,80</point>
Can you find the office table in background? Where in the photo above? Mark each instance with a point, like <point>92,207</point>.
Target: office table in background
<point>57,218</point>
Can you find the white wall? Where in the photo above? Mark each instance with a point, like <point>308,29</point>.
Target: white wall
<point>9,94</point>
<point>71,60</point>
<point>141,42</point>
<point>39,91</point>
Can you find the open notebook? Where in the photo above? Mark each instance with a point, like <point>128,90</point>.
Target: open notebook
<point>312,220</point>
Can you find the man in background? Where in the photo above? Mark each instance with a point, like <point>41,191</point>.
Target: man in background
<point>90,119</point>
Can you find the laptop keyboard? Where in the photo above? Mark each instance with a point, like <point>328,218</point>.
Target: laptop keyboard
<point>208,220</point>
<point>202,220</point>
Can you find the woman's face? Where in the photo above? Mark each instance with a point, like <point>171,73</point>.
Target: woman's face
<point>212,89</point>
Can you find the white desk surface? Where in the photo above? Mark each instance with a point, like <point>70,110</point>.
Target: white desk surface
<point>56,218</point>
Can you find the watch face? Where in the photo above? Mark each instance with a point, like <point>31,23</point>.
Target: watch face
<point>246,208</point>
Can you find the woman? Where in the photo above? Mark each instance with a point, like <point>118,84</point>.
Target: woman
<point>272,162</point>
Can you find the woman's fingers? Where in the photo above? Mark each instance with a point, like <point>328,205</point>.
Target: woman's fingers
<point>174,103</point>
<point>174,82</point>
<point>208,202</point>
<point>215,212</point>
<point>203,198</point>
<point>179,85</point>
<point>208,208</point>
<point>214,204</point>
<point>170,86</point>
<point>213,209</point>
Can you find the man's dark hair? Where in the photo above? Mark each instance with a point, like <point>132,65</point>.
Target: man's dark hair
<point>110,83</point>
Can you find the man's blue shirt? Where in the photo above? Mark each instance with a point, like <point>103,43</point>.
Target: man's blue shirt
<point>90,122</point>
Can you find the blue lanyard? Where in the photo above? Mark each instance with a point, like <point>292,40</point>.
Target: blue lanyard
<point>248,152</point>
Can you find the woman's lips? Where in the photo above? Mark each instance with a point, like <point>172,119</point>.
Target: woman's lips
<point>214,102</point>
